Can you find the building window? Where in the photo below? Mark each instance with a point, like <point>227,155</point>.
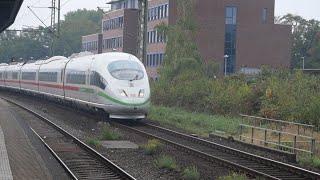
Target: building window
<point>113,43</point>
<point>158,12</point>
<point>166,10</point>
<point>231,15</point>
<point>156,37</point>
<point>230,38</point>
<point>90,46</point>
<point>154,60</point>
<point>264,15</point>
<point>114,23</point>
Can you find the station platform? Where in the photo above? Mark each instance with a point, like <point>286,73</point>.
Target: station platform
<point>22,154</point>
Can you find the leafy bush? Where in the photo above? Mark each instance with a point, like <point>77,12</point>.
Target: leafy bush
<point>152,146</point>
<point>279,94</point>
<point>312,161</point>
<point>166,162</point>
<point>191,173</point>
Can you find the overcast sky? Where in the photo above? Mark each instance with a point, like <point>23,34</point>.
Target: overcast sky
<point>307,8</point>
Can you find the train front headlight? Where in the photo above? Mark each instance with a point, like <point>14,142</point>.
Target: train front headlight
<point>123,93</point>
<point>141,93</point>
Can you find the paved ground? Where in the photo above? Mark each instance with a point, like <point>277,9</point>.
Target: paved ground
<point>5,170</point>
<point>28,158</point>
<point>119,145</point>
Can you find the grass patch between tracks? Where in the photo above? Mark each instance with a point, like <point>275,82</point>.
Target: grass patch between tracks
<point>198,123</point>
<point>152,146</point>
<point>93,142</point>
<point>109,134</point>
<point>191,173</point>
<point>166,162</point>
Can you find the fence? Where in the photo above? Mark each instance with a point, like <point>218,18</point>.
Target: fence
<point>275,134</point>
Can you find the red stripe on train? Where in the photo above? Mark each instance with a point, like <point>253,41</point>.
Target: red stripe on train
<point>57,86</point>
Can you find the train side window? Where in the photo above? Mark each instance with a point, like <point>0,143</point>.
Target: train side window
<point>97,80</point>
<point>14,75</point>
<point>48,76</point>
<point>28,76</point>
<point>1,75</point>
<point>76,77</point>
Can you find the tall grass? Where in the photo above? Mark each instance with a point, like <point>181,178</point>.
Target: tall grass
<point>166,162</point>
<point>109,134</point>
<point>191,173</point>
<point>198,123</point>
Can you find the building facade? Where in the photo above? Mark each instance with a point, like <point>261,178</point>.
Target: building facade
<point>238,34</point>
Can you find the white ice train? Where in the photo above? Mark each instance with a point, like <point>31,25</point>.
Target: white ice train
<point>114,82</point>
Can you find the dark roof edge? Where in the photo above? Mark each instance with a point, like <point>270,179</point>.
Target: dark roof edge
<point>13,15</point>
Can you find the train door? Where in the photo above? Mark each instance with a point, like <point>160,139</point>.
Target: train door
<point>19,76</point>
<point>37,79</point>
<point>91,75</point>
<point>63,77</point>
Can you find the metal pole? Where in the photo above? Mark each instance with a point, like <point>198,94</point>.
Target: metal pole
<point>252,134</point>
<point>225,66</point>
<point>59,6</point>
<point>313,142</point>
<point>145,32</point>
<point>240,132</point>
<point>279,140</point>
<point>303,63</point>
<point>294,144</point>
<point>265,137</point>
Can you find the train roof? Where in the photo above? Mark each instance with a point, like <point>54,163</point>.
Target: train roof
<point>14,66</point>
<point>55,58</point>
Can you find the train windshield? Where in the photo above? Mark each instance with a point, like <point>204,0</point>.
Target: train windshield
<point>126,70</point>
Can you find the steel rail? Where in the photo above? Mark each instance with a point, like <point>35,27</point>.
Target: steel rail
<point>252,157</point>
<point>116,169</point>
<point>65,167</point>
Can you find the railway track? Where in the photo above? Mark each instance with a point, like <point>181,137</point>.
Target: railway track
<point>250,164</point>
<point>237,160</point>
<point>78,159</point>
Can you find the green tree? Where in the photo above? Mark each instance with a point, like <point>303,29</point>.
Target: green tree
<point>77,24</point>
<point>314,53</point>
<point>24,45</point>
<point>37,44</point>
<point>304,36</point>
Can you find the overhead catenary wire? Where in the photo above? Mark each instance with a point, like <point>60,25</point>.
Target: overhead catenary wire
<point>50,29</point>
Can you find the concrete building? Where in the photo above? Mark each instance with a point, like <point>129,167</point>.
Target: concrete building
<point>244,30</point>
